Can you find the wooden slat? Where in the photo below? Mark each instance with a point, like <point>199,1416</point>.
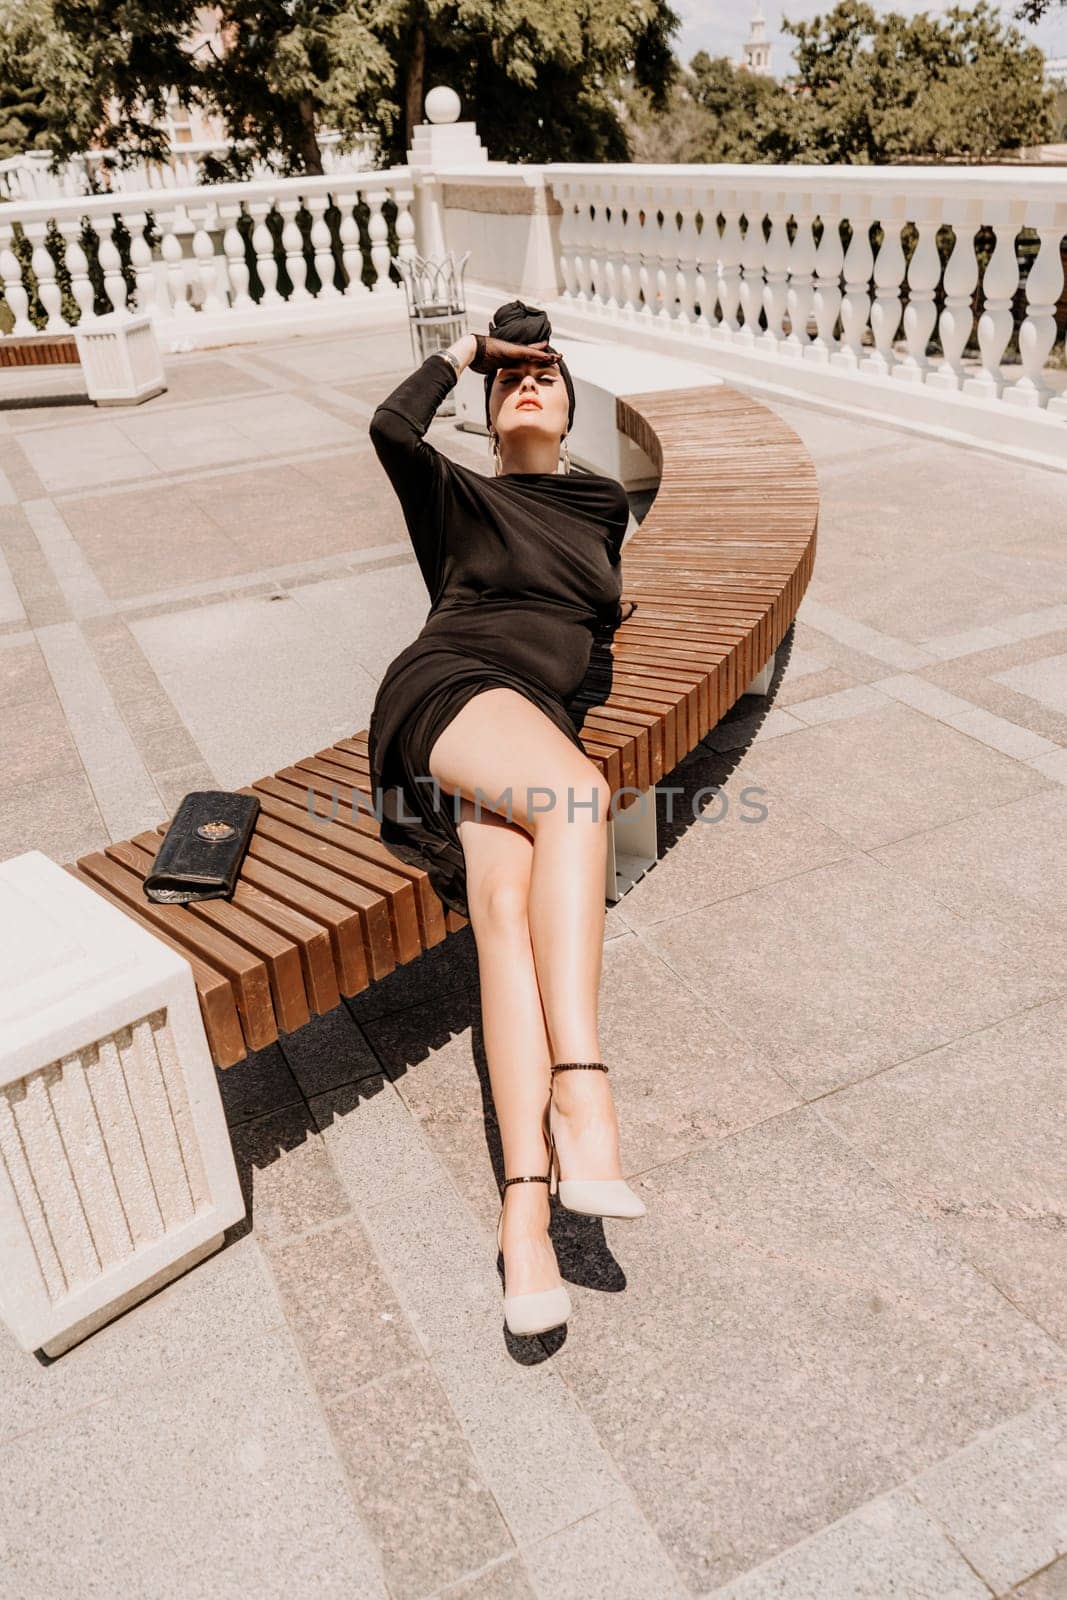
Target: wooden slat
<point>718,568</point>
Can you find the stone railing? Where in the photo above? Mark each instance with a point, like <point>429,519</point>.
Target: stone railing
<point>926,296</point>
<point>210,264</point>
<point>860,286</point>
<point>30,176</point>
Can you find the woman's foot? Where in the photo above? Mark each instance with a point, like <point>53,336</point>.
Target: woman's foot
<point>585,1137</point>
<point>585,1125</point>
<point>530,1265</point>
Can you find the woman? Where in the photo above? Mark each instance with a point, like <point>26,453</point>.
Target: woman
<point>480,774</point>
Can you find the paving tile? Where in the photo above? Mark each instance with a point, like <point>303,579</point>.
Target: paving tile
<point>849,968</point>
<point>1051,1584</point>
<point>286,689</point>
<point>508,1580</point>
<point>852,702</point>
<point>883,776</point>
<point>1001,734</point>
<point>239,1445</point>
<point>534,1445</point>
<point>140,542</point>
<point>327,1052</point>
<point>84,456</point>
<point>612,1555</point>
<point>172,1336</point>
<point>1001,1500</point>
<point>1044,680</point>
<point>260,1083</point>
<point>792,1342</point>
<point>972,1137</point>
<point>24,675</point>
<point>1006,861</point>
<point>430,1512</point>
<point>288,1182</point>
<point>889,1547</point>
<point>342,1310</point>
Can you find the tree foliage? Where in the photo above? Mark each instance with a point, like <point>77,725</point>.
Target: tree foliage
<point>542,78</point>
<point>866,89</point>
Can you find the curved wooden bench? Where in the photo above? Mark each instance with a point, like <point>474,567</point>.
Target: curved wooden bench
<point>718,568</point>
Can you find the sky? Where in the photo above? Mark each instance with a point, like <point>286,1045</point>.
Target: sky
<point>721,26</point>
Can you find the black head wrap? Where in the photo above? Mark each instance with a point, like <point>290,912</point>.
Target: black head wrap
<point>524,324</point>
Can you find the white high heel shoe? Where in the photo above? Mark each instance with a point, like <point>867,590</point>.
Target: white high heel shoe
<point>589,1197</point>
<point>527,1314</point>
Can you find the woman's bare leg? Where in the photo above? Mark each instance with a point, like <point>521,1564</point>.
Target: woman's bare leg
<point>501,750</point>
<point>499,856</point>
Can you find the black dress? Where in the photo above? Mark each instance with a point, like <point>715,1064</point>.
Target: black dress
<point>523,573</point>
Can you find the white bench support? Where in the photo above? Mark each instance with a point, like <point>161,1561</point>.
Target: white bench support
<point>632,844</point>
<point>116,1166</point>
<point>762,681</point>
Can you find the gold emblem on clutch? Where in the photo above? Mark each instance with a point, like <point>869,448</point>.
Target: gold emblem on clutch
<point>216,830</point>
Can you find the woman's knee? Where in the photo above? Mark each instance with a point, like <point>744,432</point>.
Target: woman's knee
<point>583,797</point>
<point>499,901</point>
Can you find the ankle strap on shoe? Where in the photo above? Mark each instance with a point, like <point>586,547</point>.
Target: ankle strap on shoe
<point>569,1066</point>
<point>538,1177</point>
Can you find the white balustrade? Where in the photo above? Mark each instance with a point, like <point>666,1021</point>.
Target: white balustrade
<point>746,264</point>
<point>860,319</point>
<point>197,282</point>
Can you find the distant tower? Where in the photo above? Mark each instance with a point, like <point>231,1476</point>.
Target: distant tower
<point>757,47</point>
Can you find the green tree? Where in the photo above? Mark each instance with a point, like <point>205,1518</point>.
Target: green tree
<point>893,88</point>
<point>543,78</point>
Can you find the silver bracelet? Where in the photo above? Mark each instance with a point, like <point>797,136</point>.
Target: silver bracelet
<point>452,360</point>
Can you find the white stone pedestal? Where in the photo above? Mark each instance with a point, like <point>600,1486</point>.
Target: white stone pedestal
<point>120,359</point>
<point>116,1167</point>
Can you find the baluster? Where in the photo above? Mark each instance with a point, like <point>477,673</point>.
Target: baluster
<point>999,283</point>
<point>568,237</point>
<point>1038,331</point>
<point>111,265</point>
<point>145,293</point>
<point>236,262</point>
<point>379,240</point>
<point>266,261</point>
<point>405,224</point>
<point>170,248</point>
<point>78,266</point>
<point>856,305</point>
<point>957,316</point>
<point>598,231</point>
<point>15,292</point>
<point>322,245</point>
<point>800,293</point>
<point>751,272</point>
<point>351,254</point>
<point>48,290</point>
<point>208,264</point>
<point>611,243</point>
<point>776,284</point>
<point>583,259</point>
<point>920,313</point>
<point>631,261</point>
<point>293,244</point>
<point>728,267</point>
<point>826,287</point>
<point>885,313</point>
<point>666,266</point>
<point>686,288</point>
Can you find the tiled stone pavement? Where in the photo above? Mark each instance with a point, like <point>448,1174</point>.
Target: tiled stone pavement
<point>832,1360</point>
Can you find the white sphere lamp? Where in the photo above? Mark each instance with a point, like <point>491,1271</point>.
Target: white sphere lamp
<point>442,104</point>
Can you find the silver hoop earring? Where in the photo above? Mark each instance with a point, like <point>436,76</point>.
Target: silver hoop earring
<point>566,456</point>
<point>494,451</point>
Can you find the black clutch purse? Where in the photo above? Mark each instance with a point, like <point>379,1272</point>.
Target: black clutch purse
<point>202,850</point>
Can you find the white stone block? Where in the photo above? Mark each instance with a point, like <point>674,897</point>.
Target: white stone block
<point>116,1166</point>
<point>120,359</point>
